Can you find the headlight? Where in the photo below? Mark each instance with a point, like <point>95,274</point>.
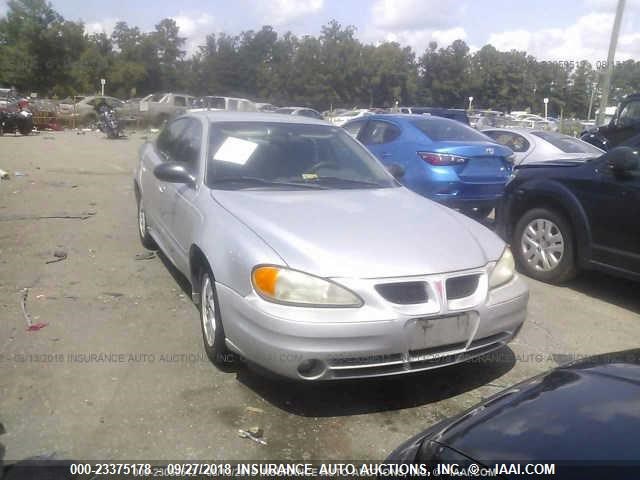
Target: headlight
<point>504,270</point>
<point>282,285</point>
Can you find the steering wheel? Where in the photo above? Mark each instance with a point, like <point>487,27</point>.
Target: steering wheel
<point>320,165</point>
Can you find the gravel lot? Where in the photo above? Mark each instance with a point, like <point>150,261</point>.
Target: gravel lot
<point>149,392</point>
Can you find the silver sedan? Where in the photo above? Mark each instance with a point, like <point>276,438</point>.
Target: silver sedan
<point>307,257</point>
<point>530,146</point>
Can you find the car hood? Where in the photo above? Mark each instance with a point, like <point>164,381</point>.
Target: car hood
<point>364,233</point>
<point>588,410</point>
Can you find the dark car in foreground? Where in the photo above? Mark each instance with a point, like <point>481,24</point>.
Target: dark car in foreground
<point>624,128</point>
<point>573,416</point>
<point>560,216</point>
<point>439,158</point>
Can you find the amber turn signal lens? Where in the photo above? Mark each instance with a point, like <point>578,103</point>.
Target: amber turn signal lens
<point>264,279</point>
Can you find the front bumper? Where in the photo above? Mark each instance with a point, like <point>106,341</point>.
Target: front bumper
<point>377,339</point>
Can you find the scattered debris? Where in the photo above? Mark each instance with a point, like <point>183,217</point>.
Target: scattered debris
<point>3,174</point>
<point>23,304</point>
<point>245,434</point>
<point>82,216</point>
<point>19,174</point>
<point>36,326</point>
<point>154,130</point>
<point>59,254</point>
<point>254,410</point>
<point>113,294</point>
<point>31,327</point>
<point>145,256</point>
<point>256,431</point>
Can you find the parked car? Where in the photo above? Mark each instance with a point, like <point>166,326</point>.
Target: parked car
<point>530,120</point>
<point>531,146</point>
<point>451,113</point>
<point>84,111</point>
<point>158,108</point>
<point>442,159</point>
<point>344,117</point>
<point>231,104</point>
<point>308,258</point>
<point>564,215</point>
<point>265,107</point>
<point>572,416</point>
<point>302,111</point>
<point>623,129</point>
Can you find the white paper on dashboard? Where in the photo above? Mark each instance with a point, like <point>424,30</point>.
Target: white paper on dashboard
<point>235,150</point>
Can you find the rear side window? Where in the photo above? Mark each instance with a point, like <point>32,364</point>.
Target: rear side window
<point>444,129</point>
<point>515,142</point>
<point>568,144</point>
<point>380,132</point>
<point>354,128</point>
<point>180,101</point>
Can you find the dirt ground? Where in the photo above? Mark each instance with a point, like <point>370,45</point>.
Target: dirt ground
<point>148,392</point>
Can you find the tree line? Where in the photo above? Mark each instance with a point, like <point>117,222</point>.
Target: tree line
<point>40,51</point>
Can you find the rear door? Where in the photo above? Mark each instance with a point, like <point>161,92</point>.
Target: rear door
<point>381,137</point>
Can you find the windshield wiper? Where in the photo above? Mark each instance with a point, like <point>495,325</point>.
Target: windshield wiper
<point>257,181</point>
<point>334,180</point>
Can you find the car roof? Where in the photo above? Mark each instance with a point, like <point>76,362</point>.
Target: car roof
<point>225,116</point>
<point>406,117</point>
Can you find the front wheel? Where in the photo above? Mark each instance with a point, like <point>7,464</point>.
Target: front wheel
<point>143,228</point>
<point>26,126</point>
<point>543,246</point>
<point>212,329</point>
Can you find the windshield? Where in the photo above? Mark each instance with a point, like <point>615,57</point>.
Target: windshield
<point>568,144</point>
<point>443,129</point>
<point>282,155</point>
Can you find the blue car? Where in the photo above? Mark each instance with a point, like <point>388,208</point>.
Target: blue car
<point>442,159</point>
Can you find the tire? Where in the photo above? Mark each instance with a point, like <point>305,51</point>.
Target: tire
<point>163,118</point>
<point>213,335</point>
<point>543,246</point>
<point>143,228</point>
<point>26,127</point>
<point>480,213</point>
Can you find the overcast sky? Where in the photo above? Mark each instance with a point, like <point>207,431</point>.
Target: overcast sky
<point>548,29</point>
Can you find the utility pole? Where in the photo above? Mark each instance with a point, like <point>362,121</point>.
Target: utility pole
<point>594,87</point>
<point>606,83</point>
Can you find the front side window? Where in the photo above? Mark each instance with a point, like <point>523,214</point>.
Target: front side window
<point>188,144</point>
<point>167,140</point>
<point>289,156</point>
<point>630,115</point>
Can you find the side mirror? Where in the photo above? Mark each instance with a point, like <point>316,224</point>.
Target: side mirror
<point>174,172</point>
<point>623,160</point>
<point>396,170</point>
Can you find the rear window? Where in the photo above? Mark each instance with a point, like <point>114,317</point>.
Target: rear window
<point>568,144</point>
<point>444,129</point>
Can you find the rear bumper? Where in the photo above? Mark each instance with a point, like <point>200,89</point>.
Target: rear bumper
<point>381,346</point>
<point>467,203</point>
